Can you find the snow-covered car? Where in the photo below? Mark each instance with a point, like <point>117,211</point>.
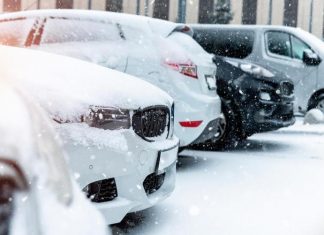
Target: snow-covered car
<point>37,193</point>
<point>117,129</point>
<point>141,46</point>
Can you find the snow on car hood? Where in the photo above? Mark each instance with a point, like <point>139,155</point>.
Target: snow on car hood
<point>66,87</point>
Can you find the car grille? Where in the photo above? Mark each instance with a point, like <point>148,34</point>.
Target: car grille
<point>151,122</point>
<point>286,88</point>
<point>153,182</point>
<point>102,190</point>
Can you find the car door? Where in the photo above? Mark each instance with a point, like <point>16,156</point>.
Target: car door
<point>284,52</point>
<point>96,41</point>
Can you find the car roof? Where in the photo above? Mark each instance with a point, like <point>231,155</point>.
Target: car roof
<point>243,27</point>
<point>148,24</point>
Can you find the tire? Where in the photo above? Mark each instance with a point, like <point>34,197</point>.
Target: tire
<point>230,133</point>
<point>318,103</point>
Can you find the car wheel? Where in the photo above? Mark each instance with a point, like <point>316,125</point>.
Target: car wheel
<point>229,133</point>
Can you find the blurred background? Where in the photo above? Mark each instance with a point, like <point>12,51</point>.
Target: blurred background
<point>306,14</point>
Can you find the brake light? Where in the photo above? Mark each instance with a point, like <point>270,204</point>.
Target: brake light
<point>187,69</point>
<point>190,123</point>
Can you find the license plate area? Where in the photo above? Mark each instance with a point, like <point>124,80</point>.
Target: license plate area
<point>165,159</point>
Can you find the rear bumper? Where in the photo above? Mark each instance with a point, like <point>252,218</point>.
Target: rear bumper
<point>210,131</point>
<point>202,108</point>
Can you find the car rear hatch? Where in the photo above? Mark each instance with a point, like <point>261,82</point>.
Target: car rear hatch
<point>206,69</point>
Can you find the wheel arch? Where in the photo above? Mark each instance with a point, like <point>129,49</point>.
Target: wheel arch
<point>314,97</point>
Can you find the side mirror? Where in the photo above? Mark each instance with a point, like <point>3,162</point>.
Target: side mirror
<point>311,58</point>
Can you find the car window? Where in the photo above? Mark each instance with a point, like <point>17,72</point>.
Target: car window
<point>229,43</point>
<point>187,42</point>
<point>60,30</point>
<point>298,48</point>
<point>15,32</point>
<point>279,43</point>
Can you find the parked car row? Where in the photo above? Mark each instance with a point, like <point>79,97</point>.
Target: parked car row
<point>151,87</point>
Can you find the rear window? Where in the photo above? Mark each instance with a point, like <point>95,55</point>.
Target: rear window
<point>186,42</point>
<point>15,32</point>
<point>60,30</point>
<point>229,43</point>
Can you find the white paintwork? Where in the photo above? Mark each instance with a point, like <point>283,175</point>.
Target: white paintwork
<point>147,45</point>
<point>53,203</point>
<point>66,87</point>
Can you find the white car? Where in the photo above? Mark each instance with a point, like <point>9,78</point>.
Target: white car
<point>140,46</point>
<point>118,130</point>
<point>37,193</point>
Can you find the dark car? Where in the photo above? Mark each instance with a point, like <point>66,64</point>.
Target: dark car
<point>254,99</point>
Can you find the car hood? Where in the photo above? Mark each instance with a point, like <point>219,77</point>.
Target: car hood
<point>66,87</point>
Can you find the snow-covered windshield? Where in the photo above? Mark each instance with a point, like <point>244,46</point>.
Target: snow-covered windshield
<point>187,43</point>
<point>58,30</point>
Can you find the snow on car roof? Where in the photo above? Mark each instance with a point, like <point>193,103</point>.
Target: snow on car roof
<point>148,24</point>
<point>66,87</point>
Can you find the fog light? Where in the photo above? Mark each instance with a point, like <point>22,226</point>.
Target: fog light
<point>265,96</point>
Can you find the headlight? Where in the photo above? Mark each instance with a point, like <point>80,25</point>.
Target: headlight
<point>108,118</point>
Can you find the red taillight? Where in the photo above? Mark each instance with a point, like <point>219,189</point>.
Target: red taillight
<point>187,69</point>
<point>190,123</point>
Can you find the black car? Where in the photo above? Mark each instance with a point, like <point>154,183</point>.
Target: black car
<point>254,99</point>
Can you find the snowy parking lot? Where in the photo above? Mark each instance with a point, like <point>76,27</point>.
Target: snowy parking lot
<point>271,184</point>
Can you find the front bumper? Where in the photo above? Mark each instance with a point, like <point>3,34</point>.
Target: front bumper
<point>128,167</point>
<point>262,116</point>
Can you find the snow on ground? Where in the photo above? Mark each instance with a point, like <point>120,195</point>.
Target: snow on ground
<point>272,184</point>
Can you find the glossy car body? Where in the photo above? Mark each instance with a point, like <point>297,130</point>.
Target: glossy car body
<point>144,47</point>
<point>121,144</point>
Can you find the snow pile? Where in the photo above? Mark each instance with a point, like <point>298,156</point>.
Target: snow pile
<point>82,134</point>
<point>314,116</point>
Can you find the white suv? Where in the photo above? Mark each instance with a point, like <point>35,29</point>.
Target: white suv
<point>117,129</point>
<point>140,46</point>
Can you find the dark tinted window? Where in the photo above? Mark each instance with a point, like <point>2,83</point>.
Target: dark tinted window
<point>229,43</point>
<point>279,43</point>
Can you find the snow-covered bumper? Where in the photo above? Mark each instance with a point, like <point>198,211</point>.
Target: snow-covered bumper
<point>123,173</point>
<point>191,120</point>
